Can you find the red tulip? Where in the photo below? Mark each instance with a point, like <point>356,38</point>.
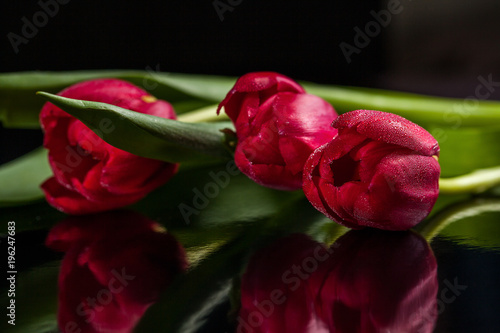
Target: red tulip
<point>278,126</point>
<point>116,265</point>
<point>90,175</point>
<point>380,171</point>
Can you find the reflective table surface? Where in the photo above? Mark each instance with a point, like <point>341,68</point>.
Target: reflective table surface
<point>213,256</point>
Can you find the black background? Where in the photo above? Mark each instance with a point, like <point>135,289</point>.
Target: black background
<point>295,38</point>
<point>299,39</point>
<point>433,47</point>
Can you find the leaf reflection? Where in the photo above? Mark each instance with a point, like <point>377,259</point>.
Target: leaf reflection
<point>450,218</point>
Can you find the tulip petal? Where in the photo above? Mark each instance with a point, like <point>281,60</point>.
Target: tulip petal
<point>402,191</point>
<point>116,176</point>
<point>389,128</point>
<point>266,83</point>
<point>274,175</point>
<point>70,202</point>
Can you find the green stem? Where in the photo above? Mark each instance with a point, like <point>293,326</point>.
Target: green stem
<point>432,227</point>
<point>474,182</point>
<point>420,109</point>
<point>205,114</point>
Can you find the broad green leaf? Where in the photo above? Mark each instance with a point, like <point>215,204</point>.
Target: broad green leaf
<point>183,107</point>
<point>148,136</point>
<point>19,107</point>
<point>464,150</point>
<point>209,197</point>
<point>20,179</point>
<point>421,109</point>
<point>208,87</point>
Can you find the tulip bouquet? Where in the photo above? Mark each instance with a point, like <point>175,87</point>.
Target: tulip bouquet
<point>110,143</point>
<point>206,153</point>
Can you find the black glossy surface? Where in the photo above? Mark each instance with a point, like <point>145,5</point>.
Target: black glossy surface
<point>467,276</point>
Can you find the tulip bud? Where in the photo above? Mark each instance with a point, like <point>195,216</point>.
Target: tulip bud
<point>380,171</point>
<point>278,126</point>
<point>90,175</point>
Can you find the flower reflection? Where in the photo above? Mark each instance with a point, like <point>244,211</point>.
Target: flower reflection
<point>274,297</point>
<point>115,266</point>
<point>367,281</point>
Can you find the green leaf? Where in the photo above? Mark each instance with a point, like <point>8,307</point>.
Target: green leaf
<point>209,197</point>
<point>145,135</point>
<point>19,107</point>
<point>464,150</point>
<point>20,179</point>
<point>208,87</point>
<point>421,109</point>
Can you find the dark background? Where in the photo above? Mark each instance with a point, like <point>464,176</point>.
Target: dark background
<point>434,47</point>
<point>299,39</point>
<point>437,47</point>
